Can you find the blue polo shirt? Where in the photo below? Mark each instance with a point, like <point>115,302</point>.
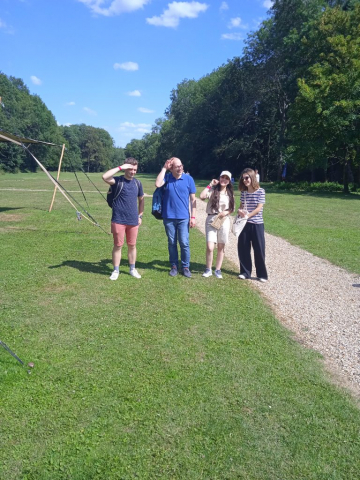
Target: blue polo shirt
<point>176,196</point>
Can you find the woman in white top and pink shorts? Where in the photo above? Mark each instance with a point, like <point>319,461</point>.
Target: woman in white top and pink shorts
<point>221,201</point>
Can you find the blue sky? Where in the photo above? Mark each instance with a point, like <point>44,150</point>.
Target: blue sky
<point>113,63</point>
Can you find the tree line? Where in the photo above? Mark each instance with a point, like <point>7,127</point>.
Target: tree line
<point>292,98</point>
<point>88,148</point>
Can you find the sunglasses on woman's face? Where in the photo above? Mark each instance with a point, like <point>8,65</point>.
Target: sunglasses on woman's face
<point>246,178</point>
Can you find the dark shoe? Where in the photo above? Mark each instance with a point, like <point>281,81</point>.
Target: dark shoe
<point>187,273</point>
<point>173,272</point>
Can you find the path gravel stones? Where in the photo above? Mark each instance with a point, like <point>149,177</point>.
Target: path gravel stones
<point>316,300</point>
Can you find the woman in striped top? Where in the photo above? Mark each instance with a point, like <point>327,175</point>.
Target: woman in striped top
<point>252,202</point>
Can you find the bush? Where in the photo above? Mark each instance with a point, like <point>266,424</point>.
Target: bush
<point>312,187</point>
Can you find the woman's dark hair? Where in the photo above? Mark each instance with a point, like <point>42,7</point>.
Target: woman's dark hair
<point>215,197</point>
<point>250,172</point>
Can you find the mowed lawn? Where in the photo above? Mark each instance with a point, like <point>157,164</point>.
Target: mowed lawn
<point>169,378</point>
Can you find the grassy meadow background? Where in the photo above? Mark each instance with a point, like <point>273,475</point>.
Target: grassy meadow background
<point>161,377</point>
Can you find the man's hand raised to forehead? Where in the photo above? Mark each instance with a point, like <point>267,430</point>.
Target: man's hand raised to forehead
<point>168,164</point>
<point>127,166</point>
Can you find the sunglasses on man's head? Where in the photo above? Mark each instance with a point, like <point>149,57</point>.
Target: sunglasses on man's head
<point>246,178</point>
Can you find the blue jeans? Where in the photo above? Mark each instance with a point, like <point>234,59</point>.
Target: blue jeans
<point>178,229</point>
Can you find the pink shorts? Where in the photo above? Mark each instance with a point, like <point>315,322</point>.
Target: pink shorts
<point>118,230</point>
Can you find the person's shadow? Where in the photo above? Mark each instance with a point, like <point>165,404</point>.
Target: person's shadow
<point>102,267</point>
<point>8,209</point>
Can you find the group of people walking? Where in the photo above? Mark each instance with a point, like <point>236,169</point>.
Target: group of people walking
<point>179,215</point>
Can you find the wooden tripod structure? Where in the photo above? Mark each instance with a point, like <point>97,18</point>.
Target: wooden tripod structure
<point>57,177</point>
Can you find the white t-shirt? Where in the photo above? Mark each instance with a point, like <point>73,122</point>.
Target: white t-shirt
<point>224,202</point>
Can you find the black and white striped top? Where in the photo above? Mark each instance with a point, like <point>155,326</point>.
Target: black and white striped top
<point>250,201</point>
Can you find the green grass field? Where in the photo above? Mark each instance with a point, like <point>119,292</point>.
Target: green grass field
<point>161,377</point>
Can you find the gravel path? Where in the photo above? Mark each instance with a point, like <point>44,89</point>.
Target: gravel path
<point>316,300</point>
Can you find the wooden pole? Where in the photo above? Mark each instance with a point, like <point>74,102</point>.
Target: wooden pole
<point>57,178</point>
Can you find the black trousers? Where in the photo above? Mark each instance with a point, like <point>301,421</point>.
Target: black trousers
<point>253,234</point>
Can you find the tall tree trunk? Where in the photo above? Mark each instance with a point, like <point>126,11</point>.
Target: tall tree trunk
<point>346,175</point>
<point>313,174</point>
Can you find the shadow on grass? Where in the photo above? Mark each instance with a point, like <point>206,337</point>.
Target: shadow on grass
<point>103,267</point>
<point>7,209</point>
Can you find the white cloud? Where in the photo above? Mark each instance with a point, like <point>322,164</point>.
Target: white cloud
<point>232,36</point>
<point>129,128</point>
<point>125,125</point>
<point>35,80</point>
<point>70,103</point>
<point>176,10</point>
<point>145,110</point>
<point>234,22</point>
<point>129,66</point>
<point>134,93</point>
<point>114,7</point>
<point>268,4</point>
<point>224,6</point>
<point>89,111</point>
<point>6,28</point>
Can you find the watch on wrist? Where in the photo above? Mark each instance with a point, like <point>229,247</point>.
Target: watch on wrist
<point>140,216</point>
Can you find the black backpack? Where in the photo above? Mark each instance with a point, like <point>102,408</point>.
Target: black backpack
<point>113,193</point>
<point>157,200</point>
<point>115,190</point>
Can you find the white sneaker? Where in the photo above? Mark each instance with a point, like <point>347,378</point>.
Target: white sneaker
<point>135,273</point>
<point>114,275</point>
<point>242,277</point>
<point>207,273</point>
<point>218,274</point>
<point>263,280</point>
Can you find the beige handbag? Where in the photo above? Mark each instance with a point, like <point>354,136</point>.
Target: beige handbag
<point>217,221</point>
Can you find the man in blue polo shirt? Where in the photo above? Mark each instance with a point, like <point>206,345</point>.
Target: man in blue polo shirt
<point>178,201</point>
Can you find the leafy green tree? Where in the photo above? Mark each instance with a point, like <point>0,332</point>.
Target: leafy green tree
<point>89,148</point>
<point>326,113</point>
<point>26,115</point>
<point>118,157</point>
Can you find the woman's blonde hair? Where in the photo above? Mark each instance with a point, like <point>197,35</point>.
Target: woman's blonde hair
<point>252,175</point>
